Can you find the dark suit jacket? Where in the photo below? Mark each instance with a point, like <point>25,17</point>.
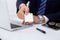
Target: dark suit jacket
<point>34,5</point>
<point>52,8</point>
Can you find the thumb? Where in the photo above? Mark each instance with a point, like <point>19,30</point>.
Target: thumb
<point>27,11</point>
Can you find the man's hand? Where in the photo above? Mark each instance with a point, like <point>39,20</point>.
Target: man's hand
<point>23,9</point>
<point>20,14</point>
<point>36,19</point>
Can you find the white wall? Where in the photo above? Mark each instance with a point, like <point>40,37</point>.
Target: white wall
<point>12,11</point>
<point>12,6</point>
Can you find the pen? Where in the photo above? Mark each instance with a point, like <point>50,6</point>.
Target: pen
<point>41,30</point>
<point>28,4</point>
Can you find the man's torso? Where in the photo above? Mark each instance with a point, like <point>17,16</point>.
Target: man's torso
<point>51,7</point>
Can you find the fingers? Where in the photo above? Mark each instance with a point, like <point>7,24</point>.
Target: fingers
<point>26,10</point>
<point>20,14</point>
<point>27,23</point>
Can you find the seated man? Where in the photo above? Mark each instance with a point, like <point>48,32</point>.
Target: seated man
<point>52,10</point>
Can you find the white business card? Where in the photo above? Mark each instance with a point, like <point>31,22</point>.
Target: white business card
<point>29,17</point>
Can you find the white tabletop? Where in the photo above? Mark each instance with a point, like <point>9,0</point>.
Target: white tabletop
<point>30,34</point>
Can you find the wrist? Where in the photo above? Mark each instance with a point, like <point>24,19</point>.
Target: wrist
<point>40,19</point>
<point>43,19</point>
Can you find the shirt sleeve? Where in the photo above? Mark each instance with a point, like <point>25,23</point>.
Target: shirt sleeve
<point>46,19</point>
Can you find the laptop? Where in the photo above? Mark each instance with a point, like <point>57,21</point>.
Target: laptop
<point>6,21</point>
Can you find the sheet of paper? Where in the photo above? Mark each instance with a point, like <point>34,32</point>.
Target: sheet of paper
<point>29,17</point>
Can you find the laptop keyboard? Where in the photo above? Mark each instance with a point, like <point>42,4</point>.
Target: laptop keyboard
<point>15,26</point>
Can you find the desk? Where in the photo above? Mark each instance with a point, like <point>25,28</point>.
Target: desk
<point>30,34</point>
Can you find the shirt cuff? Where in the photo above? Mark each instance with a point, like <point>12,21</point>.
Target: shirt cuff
<point>46,19</point>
